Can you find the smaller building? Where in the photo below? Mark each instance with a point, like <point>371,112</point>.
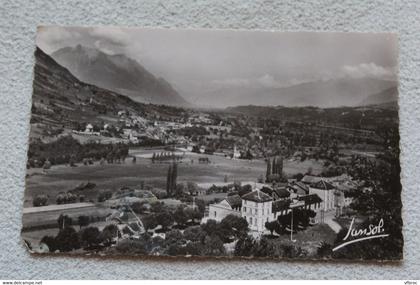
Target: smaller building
<point>326,191</point>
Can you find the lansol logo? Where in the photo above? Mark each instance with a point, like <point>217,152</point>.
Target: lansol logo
<point>370,232</point>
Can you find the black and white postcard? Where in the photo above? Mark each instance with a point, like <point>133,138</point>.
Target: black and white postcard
<point>214,143</point>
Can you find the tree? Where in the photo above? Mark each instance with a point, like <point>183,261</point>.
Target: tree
<point>91,236</point>
<point>179,190</point>
<point>213,246</point>
<point>50,242</point>
<point>109,233</point>
<point>192,187</point>
<point>194,234</point>
<point>67,239</point>
<point>64,221</point>
<point>169,181</point>
<point>165,219</point>
<point>139,207</point>
<point>174,176</point>
<point>193,214</point>
<point>271,226</point>
<point>83,221</point>
<point>245,190</point>
<point>180,216</point>
<point>237,226</point>
<point>324,250</point>
<point>104,195</point>
<point>40,200</point>
<point>149,222</point>
<point>268,171</point>
<point>157,207</point>
<point>244,246</point>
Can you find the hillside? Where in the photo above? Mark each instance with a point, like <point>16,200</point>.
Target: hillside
<point>119,74</point>
<point>386,96</point>
<point>61,101</point>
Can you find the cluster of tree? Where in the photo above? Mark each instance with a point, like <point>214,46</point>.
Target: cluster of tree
<point>274,172</point>
<point>164,216</point>
<point>265,247</point>
<point>165,156</point>
<point>382,176</point>
<point>67,150</point>
<point>69,239</point>
<point>104,195</point>
<point>200,240</point>
<point>301,219</point>
<point>192,131</point>
<point>66,198</point>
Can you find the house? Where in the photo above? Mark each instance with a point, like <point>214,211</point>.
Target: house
<point>310,179</point>
<point>280,193</point>
<point>89,128</point>
<point>231,205</point>
<point>236,152</point>
<point>325,191</point>
<point>257,209</point>
<point>298,189</point>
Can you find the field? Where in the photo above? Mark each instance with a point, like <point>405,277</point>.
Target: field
<point>114,176</point>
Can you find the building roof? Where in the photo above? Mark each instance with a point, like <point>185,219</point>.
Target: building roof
<point>309,179</point>
<point>267,190</point>
<point>299,187</point>
<point>234,201</point>
<point>323,185</point>
<point>310,199</point>
<point>280,205</point>
<point>282,192</point>
<point>257,196</point>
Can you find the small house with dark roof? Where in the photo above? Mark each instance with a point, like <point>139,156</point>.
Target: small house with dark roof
<point>298,188</point>
<point>280,193</point>
<point>231,205</point>
<point>234,201</point>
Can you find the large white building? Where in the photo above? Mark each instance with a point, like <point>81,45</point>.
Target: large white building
<point>258,207</point>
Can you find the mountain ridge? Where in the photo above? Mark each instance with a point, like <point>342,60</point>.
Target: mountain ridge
<point>117,73</point>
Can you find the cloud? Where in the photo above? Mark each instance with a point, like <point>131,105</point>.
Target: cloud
<point>231,82</point>
<point>368,70</point>
<point>112,35</point>
<point>268,81</point>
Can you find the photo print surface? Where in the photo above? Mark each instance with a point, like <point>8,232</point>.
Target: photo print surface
<point>171,142</point>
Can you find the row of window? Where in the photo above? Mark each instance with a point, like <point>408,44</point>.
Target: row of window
<point>255,212</point>
<point>254,221</point>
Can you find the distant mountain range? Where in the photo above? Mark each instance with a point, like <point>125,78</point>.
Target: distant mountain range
<point>117,73</point>
<point>324,94</point>
<point>386,96</point>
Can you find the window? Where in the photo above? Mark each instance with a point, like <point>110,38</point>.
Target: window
<point>256,211</point>
<point>215,213</point>
<point>245,209</point>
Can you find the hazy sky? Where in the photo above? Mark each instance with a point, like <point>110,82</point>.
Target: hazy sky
<point>199,63</point>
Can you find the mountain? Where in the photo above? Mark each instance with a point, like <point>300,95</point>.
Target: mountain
<point>61,101</point>
<point>117,73</point>
<point>389,95</point>
<point>324,94</point>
